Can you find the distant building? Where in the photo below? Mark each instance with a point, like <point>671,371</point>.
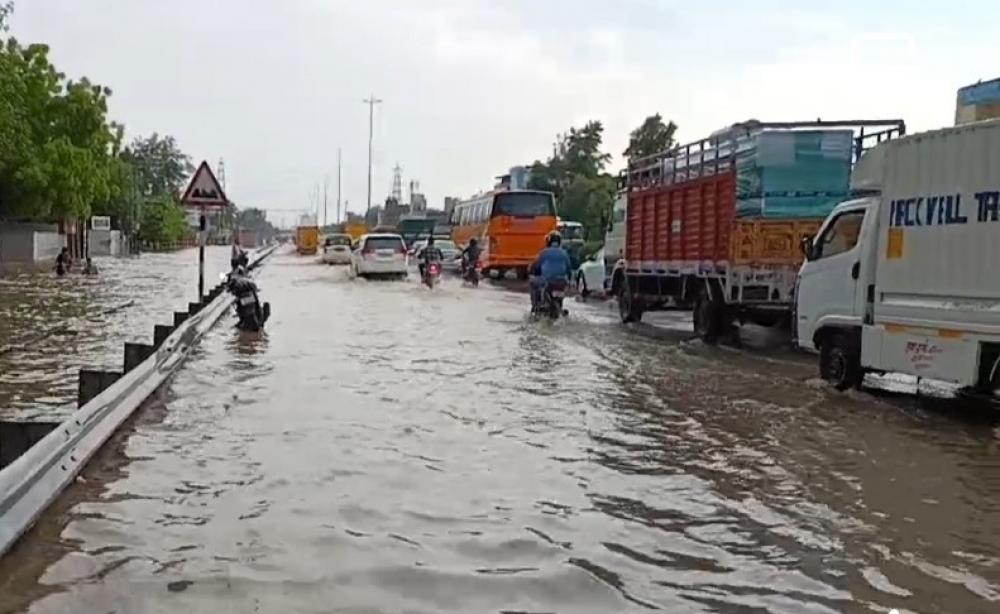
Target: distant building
<point>392,212</point>
<point>977,102</point>
<point>373,216</point>
<point>516,178</point>
<point>450,202</point>
<point>418,202</point>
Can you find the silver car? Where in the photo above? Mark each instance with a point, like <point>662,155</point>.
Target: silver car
<point>452,256</point>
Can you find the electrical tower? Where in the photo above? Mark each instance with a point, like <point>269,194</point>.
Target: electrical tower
<point>397,183</point>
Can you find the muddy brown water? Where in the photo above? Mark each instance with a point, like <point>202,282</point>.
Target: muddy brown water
<point>51,327</point>
<point>385,448</point>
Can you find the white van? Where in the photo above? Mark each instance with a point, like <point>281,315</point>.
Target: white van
<point>907,278</point>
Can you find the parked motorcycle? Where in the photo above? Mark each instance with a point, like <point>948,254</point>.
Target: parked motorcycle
<point>551,305</point>
<point>250,312</point>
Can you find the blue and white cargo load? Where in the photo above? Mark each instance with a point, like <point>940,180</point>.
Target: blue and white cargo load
<point>907,279</point>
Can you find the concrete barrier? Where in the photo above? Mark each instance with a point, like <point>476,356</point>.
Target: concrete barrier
<point>38,460</point>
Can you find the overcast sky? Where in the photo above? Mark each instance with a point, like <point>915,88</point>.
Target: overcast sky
<point>472,87</point>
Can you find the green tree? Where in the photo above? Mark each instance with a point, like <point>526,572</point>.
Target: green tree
<point>575,174</point>
<point>652,137</point>
<point>159,165</point>
<point>5,10</point>
<point>163,220</point>
<point>58,152</point>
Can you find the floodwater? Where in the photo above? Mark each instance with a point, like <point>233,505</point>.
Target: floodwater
<point>385,448</point>
<point>51,327</point>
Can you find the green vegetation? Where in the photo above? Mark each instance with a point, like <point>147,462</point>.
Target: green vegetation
<point>575,174</point>
<point>652,137</point>
<point>62,158</point>
<point>60,151</point>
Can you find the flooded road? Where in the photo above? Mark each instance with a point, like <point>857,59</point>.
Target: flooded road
<point>51,327</point>
<point>384,448</point>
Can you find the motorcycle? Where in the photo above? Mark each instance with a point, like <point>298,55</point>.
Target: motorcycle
<point>551,305</point>
<point>432,275</point>
<point>250,312</point>
<point>472,274</point>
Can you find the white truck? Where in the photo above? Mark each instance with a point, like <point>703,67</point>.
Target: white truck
<point>906,278</point>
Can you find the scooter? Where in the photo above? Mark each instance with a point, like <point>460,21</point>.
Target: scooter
<point>433,274</point>
<point>551,305</point>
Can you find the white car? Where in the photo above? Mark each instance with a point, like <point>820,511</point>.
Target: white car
<point>337,249</point>
<point>382,255</point>
<point>591,277</point>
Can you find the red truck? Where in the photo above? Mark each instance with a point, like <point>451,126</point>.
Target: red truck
<point>716,225</point>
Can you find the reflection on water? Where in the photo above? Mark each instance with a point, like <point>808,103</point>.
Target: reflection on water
<point>52,326</point>
<point>383,448</point>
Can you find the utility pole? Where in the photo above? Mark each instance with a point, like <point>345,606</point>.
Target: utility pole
<point>371,101</point>
<point>325,182</point>
<point>338,185</point>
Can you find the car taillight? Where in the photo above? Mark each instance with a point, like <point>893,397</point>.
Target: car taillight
<point>367,251</point>
<point>401,249</point>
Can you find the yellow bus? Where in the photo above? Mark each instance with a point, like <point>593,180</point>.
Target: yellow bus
<point>510,226</point>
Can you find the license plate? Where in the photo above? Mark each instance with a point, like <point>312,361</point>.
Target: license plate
<point>558,294</point>
<point>248,300</point>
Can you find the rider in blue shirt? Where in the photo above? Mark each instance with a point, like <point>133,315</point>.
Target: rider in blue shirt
<point>552,264</point>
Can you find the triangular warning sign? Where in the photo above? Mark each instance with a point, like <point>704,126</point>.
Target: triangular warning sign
<point>204,189</point>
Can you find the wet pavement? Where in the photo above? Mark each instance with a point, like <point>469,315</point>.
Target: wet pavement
<point>51,327</point>
<point>384,448</point>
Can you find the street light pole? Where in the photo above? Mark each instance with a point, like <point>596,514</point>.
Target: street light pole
<point>338,184</point>
<point>371,102</point>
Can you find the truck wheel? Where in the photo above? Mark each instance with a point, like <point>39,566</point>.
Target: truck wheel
<point>839,363</point>
<point>707,318</point>
<point>629,306</point>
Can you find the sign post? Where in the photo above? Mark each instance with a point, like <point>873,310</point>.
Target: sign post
<point>203,192</point>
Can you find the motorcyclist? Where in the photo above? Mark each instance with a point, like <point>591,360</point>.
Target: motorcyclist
<point>470,255</point>
<point>552,264</point>
<point>428,254</point>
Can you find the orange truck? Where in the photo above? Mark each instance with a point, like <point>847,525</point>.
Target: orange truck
<point>716,226</point>
<point>307,239</point>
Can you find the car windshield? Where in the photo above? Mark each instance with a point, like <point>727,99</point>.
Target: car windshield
<point>338,240</point>
<point>392,243</point>
<point>443,245</point>
<point>571,233</point>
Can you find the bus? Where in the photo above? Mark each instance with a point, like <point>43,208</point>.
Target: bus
<point>414,229</point>
<point>510,225</point>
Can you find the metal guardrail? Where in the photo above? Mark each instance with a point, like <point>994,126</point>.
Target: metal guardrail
<point>35,479</point>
